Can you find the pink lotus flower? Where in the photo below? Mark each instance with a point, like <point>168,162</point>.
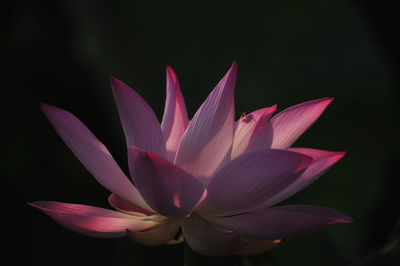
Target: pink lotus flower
<point>214,178</point>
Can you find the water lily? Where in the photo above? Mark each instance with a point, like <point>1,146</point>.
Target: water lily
<point>211,179</point>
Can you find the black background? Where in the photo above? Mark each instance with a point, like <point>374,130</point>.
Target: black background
<point>63,53</point>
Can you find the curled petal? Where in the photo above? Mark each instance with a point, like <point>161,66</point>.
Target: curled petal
<point>210,131</point>
<point>92,221</point>
<point>93,154</point>
<point>322,162</point>
<point>289,124</point>
<point>175,119</point>
<point>282,221</point>
<point>249,180</point>
<point>168,189</point>
<point>140,124</point>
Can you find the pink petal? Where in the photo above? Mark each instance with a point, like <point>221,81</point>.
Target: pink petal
<point>93,154</point>
<point>210,132</point>
<point>322,162</point>
<point>208,240</point>
<point>156,236</point>
<point>170,191</point>
<point>175,119</point>
<point>252,132</point>
<point>257,246</point>
<point>92,221</point>
<point>251,179</point>
<point>140,124</point>
<point>282,221</point>
<point>289,124</point>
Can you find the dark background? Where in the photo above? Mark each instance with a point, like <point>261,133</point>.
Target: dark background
<point>63,53</point>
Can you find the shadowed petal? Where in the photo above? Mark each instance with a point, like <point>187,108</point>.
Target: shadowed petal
<point>252,132</point>
<point>251,179</point>
<point>156,236</point>
<point>210,131</point>
<point>322,162</point>
<point>208,240</point>
<point>167,188</point>
<point>289,124</point>
<point>282,221</point>
<point>140,124</point>
<point>175,119</point>
<point>92,221</point>
<point>93,154</point>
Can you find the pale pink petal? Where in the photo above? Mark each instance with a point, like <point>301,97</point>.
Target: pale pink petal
<point>322,162</point>
<point>93,154</point>
<point>282,221</point>
<point>140,124</point>
<point>257,246</point>
<point>175,119</point>
<point>168,189</point>
<point>208,240</point>
<point>249,180</point>
<point>252,132</point>
<point>92,221</point>
<point>289,124</point>
<point>210,132</point>
<point>156,236</point>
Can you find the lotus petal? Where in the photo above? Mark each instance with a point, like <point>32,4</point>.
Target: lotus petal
<point>282,221</point>
<point>92,221</point>
<point>210,131</point>
<point>289,124</point>
<point>140,124</point>
<point>251,179</point>
<point>93,154</point>
<point>175,119</point>
<point>168,189</point>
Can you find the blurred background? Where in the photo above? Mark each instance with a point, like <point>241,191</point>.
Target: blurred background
<point>64,52</point>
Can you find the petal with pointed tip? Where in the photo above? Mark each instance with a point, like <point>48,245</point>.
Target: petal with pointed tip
<point>168,189</point>
<point>93,154</point>
<point>140,124</point>
<point>251,132</point>
<point>175,119</point>
<point>282,221</point>
<point>210,131</point>
<point>289,124</point>
<point>156,236</point>
<point>322,162</point>
<point>249,180</point>
<point>208,240</point>
<point>92,221</point>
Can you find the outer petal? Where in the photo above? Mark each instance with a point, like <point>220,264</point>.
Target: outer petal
<point>282,221</point>
<point>209,240</point>
<point>289,124</point>
<point>93,154</point>
<point>252,132</point>
<point>175,119</point>
<point>92,221</point>
<point>156,236</point>
<point>249,180</point>
<point>322,162</point>
<point>210,131</point>
<point>170,190</point>
<point>140,124</point>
